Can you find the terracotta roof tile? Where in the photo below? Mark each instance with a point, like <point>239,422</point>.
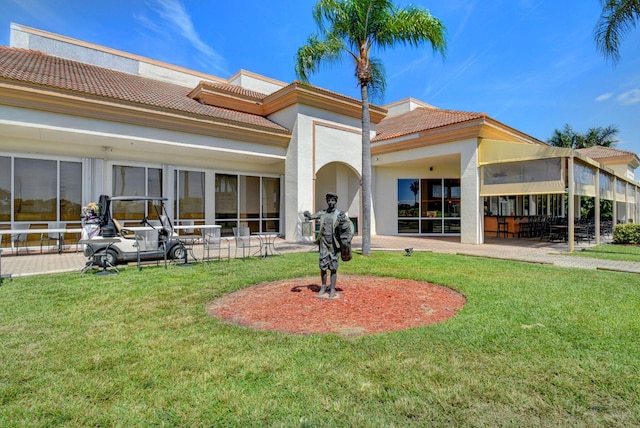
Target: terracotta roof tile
<point>601,152</point>
<point>49,71</point>
<point>420,119</point>
<point>234,89</point>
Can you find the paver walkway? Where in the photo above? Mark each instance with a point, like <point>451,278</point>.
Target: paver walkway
<point>526,250</point>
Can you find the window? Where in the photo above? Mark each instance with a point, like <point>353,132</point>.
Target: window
<point>251,201</point>
<point>70,190</point>
<point>135,181</point>
<point>5,188</point>
<point>189,191</point>
<point>270,204</point>
<point>35,190</point>
<point>429,206</point>
<point>39,191</point>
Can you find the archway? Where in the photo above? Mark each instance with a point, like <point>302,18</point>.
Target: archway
<point>345,181</point>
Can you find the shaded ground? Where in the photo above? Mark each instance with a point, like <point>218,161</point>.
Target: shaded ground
<point>369,304</point>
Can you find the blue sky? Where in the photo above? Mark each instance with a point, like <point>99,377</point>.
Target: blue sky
<point>531,64</point>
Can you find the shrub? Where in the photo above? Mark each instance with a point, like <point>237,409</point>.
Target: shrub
<point>626,234</point>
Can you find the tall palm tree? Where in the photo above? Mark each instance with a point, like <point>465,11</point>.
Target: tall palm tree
<point>617,18</point>
<point>352,29</point>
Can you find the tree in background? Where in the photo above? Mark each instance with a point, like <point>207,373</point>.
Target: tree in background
<point>617,18</point>
<point>599,136</point>
<point>415,188</point>
<point>352,29</point>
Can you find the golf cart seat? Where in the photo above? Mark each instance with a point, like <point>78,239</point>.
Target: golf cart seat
<point>122,232</point>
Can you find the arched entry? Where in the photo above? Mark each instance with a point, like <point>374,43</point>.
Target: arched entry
<point>345,181</point>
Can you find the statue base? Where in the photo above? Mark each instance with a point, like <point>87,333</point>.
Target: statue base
<point>325,296</point>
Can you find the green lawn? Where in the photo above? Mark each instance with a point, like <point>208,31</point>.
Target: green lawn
<point>534,346</point>
<point>630,253</point>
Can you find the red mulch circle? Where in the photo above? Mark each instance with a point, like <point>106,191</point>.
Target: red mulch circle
<point>369,304</point>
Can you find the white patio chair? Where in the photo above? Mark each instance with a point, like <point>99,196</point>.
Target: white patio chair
<point>242,236</point>
<point>18,238</point>
<point>58,238</point>
<point>213,242</point>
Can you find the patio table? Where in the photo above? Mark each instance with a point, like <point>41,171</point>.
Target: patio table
<point>267,243</point>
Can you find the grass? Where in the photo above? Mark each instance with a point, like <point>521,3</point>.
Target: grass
<point>627,253</point>
<point>534,346</point>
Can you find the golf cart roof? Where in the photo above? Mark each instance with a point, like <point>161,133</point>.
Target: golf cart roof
<point>138,198</point>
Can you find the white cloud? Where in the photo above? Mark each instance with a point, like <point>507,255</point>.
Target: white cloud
<point>630,97</point>
<point>604,97</point>
<point>176,16</point>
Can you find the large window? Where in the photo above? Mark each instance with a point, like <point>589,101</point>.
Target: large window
<point>34,190</point>
<point>70,190</point>
<point>5,188</point>
<point>38,192</point>
<point>189,191</point>
<point>246,200</point>
<point>270,204</point>
<point>429,206</point>
<point>135,181</point>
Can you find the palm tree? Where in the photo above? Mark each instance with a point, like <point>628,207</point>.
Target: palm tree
<point>597,136</point>
<point>351,29</point>
<point>600,136</point>
<point>617,18</point>
<point>563,138</point>
<point>415,188</point>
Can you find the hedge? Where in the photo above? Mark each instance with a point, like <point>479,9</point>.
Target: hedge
<point>626,233</point>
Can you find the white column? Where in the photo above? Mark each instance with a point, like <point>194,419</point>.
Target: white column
<point>471,216</point>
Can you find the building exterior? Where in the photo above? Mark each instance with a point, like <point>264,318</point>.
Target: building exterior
<point>79,120</point>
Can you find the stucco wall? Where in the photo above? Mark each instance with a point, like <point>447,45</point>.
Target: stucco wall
<point>320,138</point>
<point>453,160</point>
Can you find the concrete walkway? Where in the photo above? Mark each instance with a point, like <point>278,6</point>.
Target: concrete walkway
<point>525,250</point>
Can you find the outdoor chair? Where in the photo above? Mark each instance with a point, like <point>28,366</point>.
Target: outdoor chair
<point>242,236</point>
<point>584,232</point>
<point>525,229</point>
<point>18,238</point>
<point>58,238</point>
<point>213,242</point>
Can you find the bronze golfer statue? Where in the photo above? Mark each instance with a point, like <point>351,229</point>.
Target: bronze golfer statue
<point>334,238</point>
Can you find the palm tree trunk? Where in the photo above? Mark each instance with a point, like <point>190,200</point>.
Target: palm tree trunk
<point>366,172</point>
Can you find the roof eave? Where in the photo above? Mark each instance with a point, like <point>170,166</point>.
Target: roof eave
<point>480,127</point>
<point>34,97</point>
<point>302,93</point>
<point>219,97</point>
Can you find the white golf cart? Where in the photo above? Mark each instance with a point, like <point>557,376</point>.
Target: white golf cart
<point>151,240</point>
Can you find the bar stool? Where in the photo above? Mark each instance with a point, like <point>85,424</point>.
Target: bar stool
<point>503,227</point>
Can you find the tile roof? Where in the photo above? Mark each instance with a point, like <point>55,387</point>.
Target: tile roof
<point>601,152</point>
<point>38,68</point>
<point>235,89</point>
<point>421,119</point>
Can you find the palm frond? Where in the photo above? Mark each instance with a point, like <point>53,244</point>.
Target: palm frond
<point>315,52</point>
<point>618,17</point>
<point>378,83</point>
<point>412,26</point>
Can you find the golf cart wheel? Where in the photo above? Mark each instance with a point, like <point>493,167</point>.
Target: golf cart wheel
<point>177,252</point>
<point>112,257</point>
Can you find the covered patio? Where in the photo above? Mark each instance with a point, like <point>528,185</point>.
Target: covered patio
<point>525,186</point>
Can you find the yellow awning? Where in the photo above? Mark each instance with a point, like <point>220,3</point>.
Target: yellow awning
<point>496,151</point>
